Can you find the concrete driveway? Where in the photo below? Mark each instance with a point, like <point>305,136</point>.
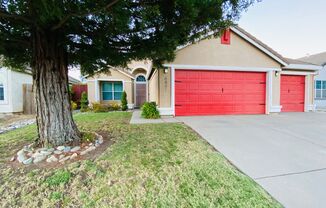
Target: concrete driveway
<point>285,153</point>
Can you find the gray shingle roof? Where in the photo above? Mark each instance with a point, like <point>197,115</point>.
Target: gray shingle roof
<point>319,59</point>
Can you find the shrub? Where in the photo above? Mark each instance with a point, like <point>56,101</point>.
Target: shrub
<point>84,102</point>
<point>124,101</point>
<point>73,105</point>
<point>114,106</point>
<point>150,111</point>
<point>99,108</point>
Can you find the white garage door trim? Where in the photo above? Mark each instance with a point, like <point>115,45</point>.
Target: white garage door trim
<point>269,83</point>
<point>307,107</point>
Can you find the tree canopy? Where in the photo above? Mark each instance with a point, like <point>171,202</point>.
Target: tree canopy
<point>98,34</point>
<point>50,35</point>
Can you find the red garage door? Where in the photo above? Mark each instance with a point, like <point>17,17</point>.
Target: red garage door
<point>292,93</point>
<point>219,92</point>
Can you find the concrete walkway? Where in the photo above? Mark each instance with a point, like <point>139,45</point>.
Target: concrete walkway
<point>285,154</point>
<point>137,119</point>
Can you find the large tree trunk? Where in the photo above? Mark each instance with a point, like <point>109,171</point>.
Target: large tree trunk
<point>50,79</point>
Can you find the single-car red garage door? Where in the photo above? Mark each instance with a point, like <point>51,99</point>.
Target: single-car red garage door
<point>292,93</point>
<point>219,92</point>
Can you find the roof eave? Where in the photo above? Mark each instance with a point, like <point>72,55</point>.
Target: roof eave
<point>303,67</point>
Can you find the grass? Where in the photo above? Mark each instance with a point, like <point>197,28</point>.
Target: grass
<point>153,165</point>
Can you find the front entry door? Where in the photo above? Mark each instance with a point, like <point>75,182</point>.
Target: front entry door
<point>140,90</point>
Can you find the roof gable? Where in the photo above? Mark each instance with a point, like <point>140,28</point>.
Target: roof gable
<point>250,39</point>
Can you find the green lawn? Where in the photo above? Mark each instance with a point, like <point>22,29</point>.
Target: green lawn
<point>154,165</point>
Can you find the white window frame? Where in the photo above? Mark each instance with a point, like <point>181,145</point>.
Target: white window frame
<point>322,91</point>
<point>113,98</point>
<point>4,95</point>
<point>141,75</point>
<point>5,85</point>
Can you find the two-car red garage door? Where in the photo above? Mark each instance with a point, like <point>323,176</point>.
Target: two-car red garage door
<point>219,92</point>
<point>200,92</point>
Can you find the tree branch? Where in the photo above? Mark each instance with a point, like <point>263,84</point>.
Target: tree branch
<point>4,14</point>
<point>66,18</point>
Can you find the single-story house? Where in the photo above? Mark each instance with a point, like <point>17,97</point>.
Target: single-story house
<point>320,79</point>
<point>233,74</point>
<point>12,89</point>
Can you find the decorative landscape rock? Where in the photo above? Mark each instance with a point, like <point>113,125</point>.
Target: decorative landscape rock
<point>67,149</point>
<point>28,161</point>
<point>75,149</point>
<point>61,148</point>
<point>21,158</point>
<point>57,152</point>
<point>16,125</point>
<point>28,155</point>
<point>50,150</point>
<point>44,152</point>
<point>52,159</point>
<point>73,156</point>
<point>64,159</point>
<point>39,158</point>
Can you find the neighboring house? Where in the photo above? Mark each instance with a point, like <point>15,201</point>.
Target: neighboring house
<point>11,89</point>
<point>234,74</point>
<point>320,79</point>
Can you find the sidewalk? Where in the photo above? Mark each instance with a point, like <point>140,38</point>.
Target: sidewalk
<point>137,119</point>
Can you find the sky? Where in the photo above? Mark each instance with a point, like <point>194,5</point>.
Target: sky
<point>294,28</point>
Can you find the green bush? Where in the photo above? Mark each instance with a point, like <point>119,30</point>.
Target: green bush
<point>124,101</point>
<point>100,108</point>
<point>150,111</point>
<point>74,105</point>
<point>114,106</point>
<point>84,102</point>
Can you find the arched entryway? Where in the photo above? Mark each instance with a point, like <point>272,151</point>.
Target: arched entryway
<point>140,90</point>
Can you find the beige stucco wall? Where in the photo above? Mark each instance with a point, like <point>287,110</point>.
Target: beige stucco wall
<point>112,75</point>
<point>311,88</point>
<point>145,64</point>
<point>276,90</point>
<point>164,88</point>
<point>313,77</point>
<point>91,91</point>
<point>211,52</point>
<point>153,88</point>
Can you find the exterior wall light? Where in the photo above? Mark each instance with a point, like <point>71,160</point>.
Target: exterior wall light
<point>277,73</point>
<point>165,70</point>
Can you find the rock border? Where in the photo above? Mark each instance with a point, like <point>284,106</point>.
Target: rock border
<point>17,125</point>
<point>28,155</point>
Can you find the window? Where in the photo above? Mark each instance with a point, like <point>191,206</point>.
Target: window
<point>140,78</point>
<point>320,87</point>
<point>2,92</point>
<point>112,90</point>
